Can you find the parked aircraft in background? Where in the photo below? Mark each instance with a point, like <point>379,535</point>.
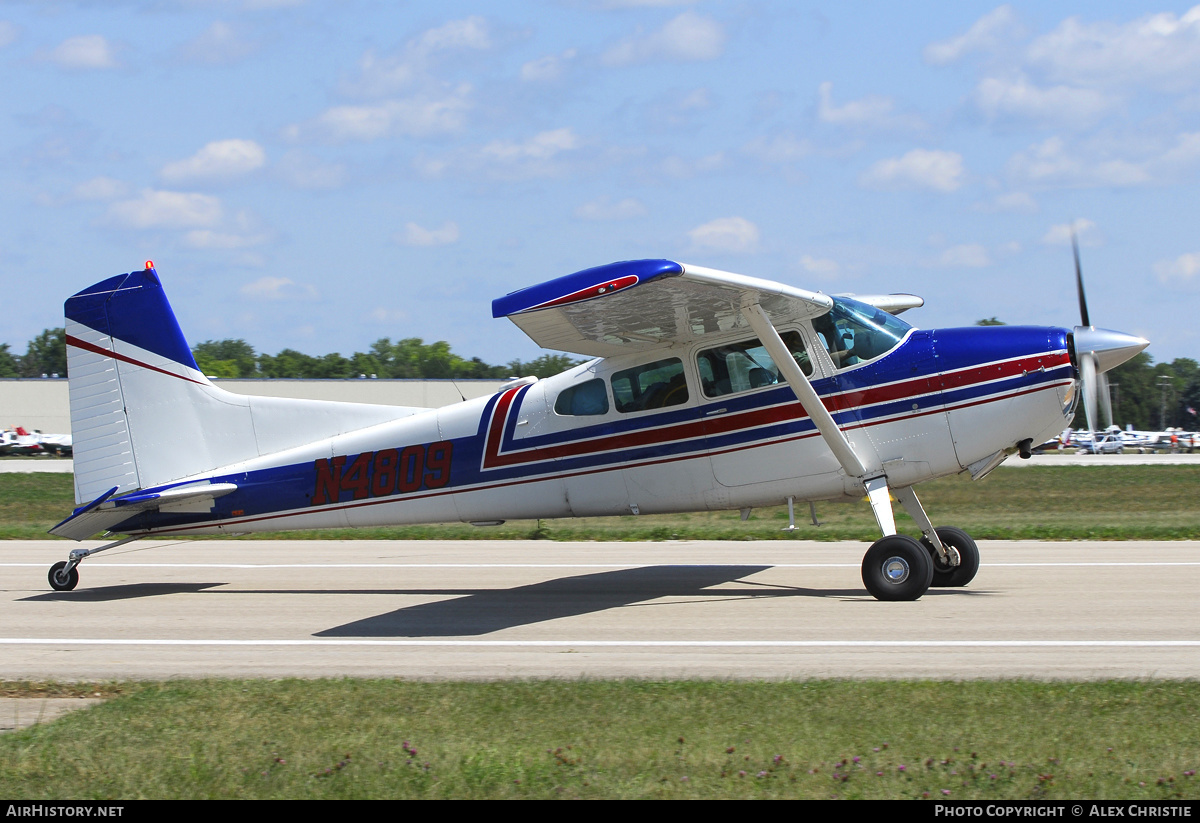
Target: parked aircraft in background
<point>1109,441</point>
<point>709,390</point>
<point>1114,440</point>
<point>1171,440</point>
<point>18,441</point>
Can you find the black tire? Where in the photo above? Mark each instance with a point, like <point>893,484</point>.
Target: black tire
<point>950,576</point>
<point>897,568</point>
<point>60,581</point>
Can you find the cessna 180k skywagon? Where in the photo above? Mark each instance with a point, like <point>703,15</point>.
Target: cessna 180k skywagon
<point>709,390</point>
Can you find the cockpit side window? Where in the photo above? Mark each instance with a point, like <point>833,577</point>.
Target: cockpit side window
<point>738,367</point>
<point>583,399</point>
<point>853,332</point>
<point>650,386</point>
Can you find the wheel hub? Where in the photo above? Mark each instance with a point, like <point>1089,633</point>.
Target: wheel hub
<point>895,570</point>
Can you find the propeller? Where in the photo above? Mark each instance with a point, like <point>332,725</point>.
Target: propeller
<point>1097,351</point>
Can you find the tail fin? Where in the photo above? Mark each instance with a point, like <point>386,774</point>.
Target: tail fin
<point>142,413</point>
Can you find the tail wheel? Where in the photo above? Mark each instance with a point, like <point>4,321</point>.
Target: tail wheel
<point>62,580</point>
<point>897,567</point>
<point>945,576</point>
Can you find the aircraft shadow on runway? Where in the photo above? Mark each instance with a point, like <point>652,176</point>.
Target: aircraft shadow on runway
<point>130,591</point>
<point>483,611</point>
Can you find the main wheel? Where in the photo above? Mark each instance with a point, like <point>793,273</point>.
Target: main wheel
<point>62,580</point>
<point>897,568</point>
<point>948,576</point>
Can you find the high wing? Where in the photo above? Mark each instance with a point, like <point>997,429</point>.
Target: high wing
<point>638,305</point>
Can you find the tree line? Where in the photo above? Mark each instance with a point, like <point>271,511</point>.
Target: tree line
<point>1146,394</point>
<point>46,356</point>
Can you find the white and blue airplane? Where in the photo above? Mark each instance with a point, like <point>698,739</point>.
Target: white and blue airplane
<point>708,391</point>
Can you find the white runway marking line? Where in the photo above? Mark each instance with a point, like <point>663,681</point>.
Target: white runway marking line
<point>789,644</point>
<point>114,564</point>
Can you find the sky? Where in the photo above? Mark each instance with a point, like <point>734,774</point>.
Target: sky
<point>317,175</point>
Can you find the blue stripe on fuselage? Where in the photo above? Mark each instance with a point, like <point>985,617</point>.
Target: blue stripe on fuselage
<point>924,356</point>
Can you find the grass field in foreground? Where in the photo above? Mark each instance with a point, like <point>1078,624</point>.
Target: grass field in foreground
<point>615,739</point>
<point>1035,502</point>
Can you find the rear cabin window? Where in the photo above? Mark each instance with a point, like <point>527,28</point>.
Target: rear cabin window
<point>582,400</point>
<point>739,367</point>
<point>651,386</point>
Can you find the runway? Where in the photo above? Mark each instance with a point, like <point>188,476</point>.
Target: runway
<point>484,609</point>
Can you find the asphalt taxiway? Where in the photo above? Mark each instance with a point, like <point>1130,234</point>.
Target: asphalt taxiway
<point>496,609</point>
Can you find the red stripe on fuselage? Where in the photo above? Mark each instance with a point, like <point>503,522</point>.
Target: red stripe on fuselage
<point>850,400</point>
<point>521,481</point>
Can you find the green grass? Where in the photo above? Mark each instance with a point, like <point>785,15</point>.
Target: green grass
<point>1039,502</point>
<point>616,739</point>
<point>644,739</point>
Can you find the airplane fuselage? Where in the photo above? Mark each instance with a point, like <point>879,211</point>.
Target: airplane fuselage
<point>938,403</point>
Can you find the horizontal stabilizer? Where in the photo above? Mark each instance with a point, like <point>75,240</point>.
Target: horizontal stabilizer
<point>107,511</point>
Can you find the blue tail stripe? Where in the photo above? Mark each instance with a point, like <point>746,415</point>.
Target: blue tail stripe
<point>132,308</point>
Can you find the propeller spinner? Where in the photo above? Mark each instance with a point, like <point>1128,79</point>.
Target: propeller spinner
<point>1096,351</point>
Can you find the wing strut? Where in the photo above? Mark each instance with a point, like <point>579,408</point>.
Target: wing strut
<point>872,477</point>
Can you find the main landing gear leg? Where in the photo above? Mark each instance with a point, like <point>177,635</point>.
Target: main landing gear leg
<point>895,567</point>
<point>64,575</point>
<point>954,554</point>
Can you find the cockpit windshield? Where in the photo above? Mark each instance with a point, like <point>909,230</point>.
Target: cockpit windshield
<point>853,332</point>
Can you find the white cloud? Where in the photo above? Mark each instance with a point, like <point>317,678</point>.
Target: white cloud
<point>872,111</point>
<point>920,168</point>
<point>1016,97</point>
<point>210,239</point>
<point>541,146</point>
<point>677,109</point>
<point>689,37</point>
<point>166,209</point>
<point>414,235</point>
<point>1052,164</point>
<point>468,33</point>
<point>8,33</point>
<point>547,69</point>
<point>783,148</point>
<point>726,234</point>
<point>545,154</point>
<point>602,208</point>
<point>637,4</point>
<point>821,267</point>
<point>684,169</point>
<point>381,76</point>
<point>1157,49</point>
<point>1061,233</point>
<point>988,33</point>
<point>278,288</point>
<point>1016,201</point>
<point>1182,269</point>
<point>410,117</point>
<point>303,171</point>
<point>219,160</point>
<point>88,51</point>
<point>970,255</point>
<point>219,44</point>
<point>100,188</point>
